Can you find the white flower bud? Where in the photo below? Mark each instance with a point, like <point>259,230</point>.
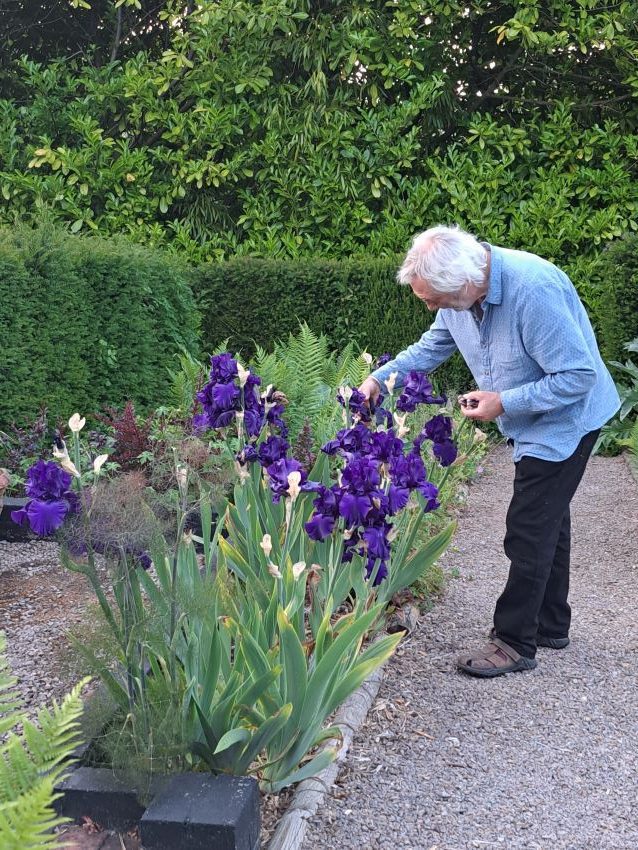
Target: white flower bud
<point>273,569</point>
<point>298,568</point>
<point>346,393</point>
<point>99,462</point>
<point>68,466</point>
<point>294,480</point>
<point>400,421</point>
<point>76,423</point>
<point>391,381</point>
<point>243,374</point>
<point>266,544</point>
<point>367,358</point>
<point>181,473</point>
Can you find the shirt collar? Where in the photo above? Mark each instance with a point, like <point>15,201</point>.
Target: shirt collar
<point>495,286</point>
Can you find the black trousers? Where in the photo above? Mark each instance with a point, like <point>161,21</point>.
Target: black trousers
<point>537,542</point>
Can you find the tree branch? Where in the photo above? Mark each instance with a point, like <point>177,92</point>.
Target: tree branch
<point>117,37</point>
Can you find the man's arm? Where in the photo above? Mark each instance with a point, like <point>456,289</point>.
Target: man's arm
<point>434,347</point>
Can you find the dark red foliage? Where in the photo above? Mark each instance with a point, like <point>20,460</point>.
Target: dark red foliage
<point>131,437</point>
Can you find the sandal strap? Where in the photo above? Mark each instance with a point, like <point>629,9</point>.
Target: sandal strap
<point>506,648</point>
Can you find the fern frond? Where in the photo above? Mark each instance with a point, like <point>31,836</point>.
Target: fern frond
<point>26,823</point>
<point>32,763</point>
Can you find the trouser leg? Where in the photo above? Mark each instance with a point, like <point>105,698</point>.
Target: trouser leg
<point>555,615</point>
<point>535,520</point>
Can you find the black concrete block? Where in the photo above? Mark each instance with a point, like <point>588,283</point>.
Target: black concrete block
<point>200,811</point>
<point>97,793</point>
<point>10,531</point>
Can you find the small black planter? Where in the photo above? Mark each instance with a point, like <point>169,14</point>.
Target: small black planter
<point>10,531</point>
<point>189,811</point>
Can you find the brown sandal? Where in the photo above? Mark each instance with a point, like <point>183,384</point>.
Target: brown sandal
<point>495,659</point>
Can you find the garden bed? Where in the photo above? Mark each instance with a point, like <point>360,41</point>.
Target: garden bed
<point>40,602</point>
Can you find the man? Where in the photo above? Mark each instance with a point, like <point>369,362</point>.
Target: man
<point>523,332</point>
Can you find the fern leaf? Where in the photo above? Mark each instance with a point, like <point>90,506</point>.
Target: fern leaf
<point>31,765</point>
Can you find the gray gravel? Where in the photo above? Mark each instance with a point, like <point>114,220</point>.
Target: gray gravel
<point>543,760</point>
<point>39,602</point>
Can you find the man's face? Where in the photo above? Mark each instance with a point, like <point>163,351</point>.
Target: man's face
<point>461,300</point>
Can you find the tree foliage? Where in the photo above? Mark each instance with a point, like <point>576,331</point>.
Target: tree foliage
<point>288,128</point>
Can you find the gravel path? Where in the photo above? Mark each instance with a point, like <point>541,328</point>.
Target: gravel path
<point>39,602</point>
<point>545,760</point>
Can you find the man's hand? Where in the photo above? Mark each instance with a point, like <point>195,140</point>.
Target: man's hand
<point>371,389</point>
<point>481,405</point>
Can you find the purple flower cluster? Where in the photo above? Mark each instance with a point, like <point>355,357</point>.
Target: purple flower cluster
<point>50,498</point>
<point>223,397</point>
<point>376,483</point>
<point>439,431</point>
<point>417,389</point>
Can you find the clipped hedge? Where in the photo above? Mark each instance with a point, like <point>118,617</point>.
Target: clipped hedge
<point>618,300</point>
<point>86,322</point>
<point>254,302</point>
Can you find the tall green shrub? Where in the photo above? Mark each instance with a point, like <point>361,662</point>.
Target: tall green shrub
<point>618,299</point>
<point>87,322</point>
<point>255,302</point>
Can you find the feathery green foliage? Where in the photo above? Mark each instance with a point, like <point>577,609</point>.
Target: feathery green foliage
<point>309,374</point>
<point>32,763</point>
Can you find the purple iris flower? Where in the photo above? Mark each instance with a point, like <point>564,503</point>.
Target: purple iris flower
<point>357,404</point>
<point>361,475</point>
<point>200,423</point>
<point>408,471</point>
<point>319,526</point>
<point>50,500</point>
<point>278,473</point>
<point>354,508</point>
<point>247,455</point>
<point>223,367</point>
<point>397,498</point>
<point>42,517</point>
<point>429,492</point>
<point>253,422</point>
<point>327,500</point>
<point>226,396</point>
<point>350,547</point>
<point>417,389</point>
<point>438,428</point>
<point>350,441</point>
<point>383,359</point>
<point>381,571</point>
<point>274,417</point>
<point>273,449</point>
<point>47,480</point>
<point>221,418</point>
<point>385,445</point>
<point>445,452</point>
<point>378,546</point>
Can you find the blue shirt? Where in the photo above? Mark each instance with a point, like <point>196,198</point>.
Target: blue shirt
<point>535,346</point>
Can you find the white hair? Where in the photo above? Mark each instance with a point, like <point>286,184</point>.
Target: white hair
<point>447,258</point>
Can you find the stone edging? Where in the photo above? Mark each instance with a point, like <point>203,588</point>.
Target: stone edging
<point>310,794</point>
